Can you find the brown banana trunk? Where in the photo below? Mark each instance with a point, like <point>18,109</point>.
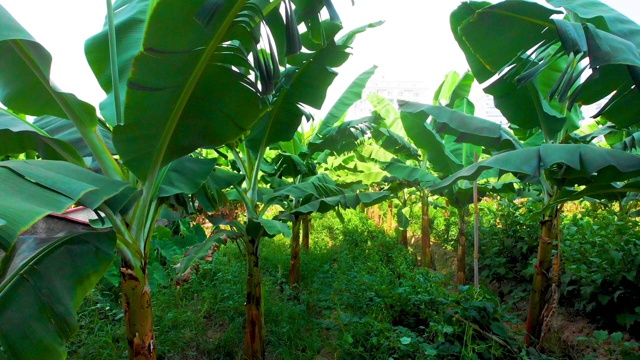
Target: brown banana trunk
<point>254,337</point>
<point>462,247</point>
<point>390,217</point>
<point>404,238</point>
<point>138,314</point>
<point>476,234</point>
<point>541,280</point>
<point>427,257</point>
<point>306,227</point>
<point>377,215</point>
<point>294,267</point>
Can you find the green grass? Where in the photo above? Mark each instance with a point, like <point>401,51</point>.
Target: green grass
<point>362,296</point>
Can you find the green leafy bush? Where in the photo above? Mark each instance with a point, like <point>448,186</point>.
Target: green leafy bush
<point>509,234</point>
<point>601,253</point>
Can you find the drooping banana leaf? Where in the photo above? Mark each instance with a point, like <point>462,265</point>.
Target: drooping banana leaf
<point>464,127</point>
<point>33,189</point>
<point>305,83</point>
<point>210,195</point>
<point>387,111</point>
<point>40,293</point>
<point>571,163</point>
<point>186,175</point>
<point>181,91</point>
<point>428,140</point>
<point>64,130</point>
<point>345,201</point>
<point>342,138</point>
<point>394,144</point>
<point>18,136</point>
<point>411,174</point>
<point>25,84</point>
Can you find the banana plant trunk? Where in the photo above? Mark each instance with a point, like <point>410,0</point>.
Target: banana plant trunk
<point>541,281</point>
<point>254,337</point>
<point>427,256</point>
<point>390,217</point>
<point>404,238</point>
<point>138,314</point>
<point>294,267</point>
<point>377,215</point>
<point>306,228</point>
<point>462,247</point>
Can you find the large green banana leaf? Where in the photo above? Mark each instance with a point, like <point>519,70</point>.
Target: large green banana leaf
<point>410,174</point>
<point>463,12</point>
<point>350,96</point>
<point>394,144</point>
<point>40,293</point>
<point>305,83</point>
<point>497,35</point>
<point>35,188</point>
<point>464,127</point>
<point>489,50</point>
<point>570,164</point>
<point>182,94</point>
<point>321,194</point>
<point>602,16</point>
<point>18,136</point>
<point>64,130</point>
<point>345,201</point>
<point>429,141</point>
<point>25,86</point>
<point>186,175</point>
<point>388,112</point>
<point>130,18</point>
<point>342,138</point>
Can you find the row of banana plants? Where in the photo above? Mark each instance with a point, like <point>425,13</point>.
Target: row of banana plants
<point>203,103</point>
<point>234,80</point>
<point>541,65</point>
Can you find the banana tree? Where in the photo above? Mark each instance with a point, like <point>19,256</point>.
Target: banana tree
<point>540,94</point>
<point>303,82</point>
<point>170,91</point>
<point>295,161</point>
<point>451,89</point>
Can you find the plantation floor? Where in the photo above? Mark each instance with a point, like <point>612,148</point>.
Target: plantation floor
<point>362,296</point>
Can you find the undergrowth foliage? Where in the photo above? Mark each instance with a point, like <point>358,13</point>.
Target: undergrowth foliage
<point>600,259</point>
<point>601,279</point>
<point>362,297</point>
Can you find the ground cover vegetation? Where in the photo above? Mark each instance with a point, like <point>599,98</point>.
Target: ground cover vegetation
<point>277,238</point>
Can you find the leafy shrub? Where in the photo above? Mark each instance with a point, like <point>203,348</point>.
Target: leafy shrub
<point>509,234</point>
<point>601,253</point>
<point>384,307</point>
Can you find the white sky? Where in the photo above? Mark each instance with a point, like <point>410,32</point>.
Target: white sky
<point>415,43</point>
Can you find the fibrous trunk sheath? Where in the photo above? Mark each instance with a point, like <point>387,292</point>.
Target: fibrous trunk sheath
<point>462,248</point>
<point>404,238</point>
<point>427,257</point>
<point>254,337</point>
<point>294,267</point>
<point>306,227</point>
<point>390,217</point>
<point>138,314</point>
<point>541,281</point>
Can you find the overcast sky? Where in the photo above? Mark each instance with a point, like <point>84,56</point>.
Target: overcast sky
<point>414,43</point>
